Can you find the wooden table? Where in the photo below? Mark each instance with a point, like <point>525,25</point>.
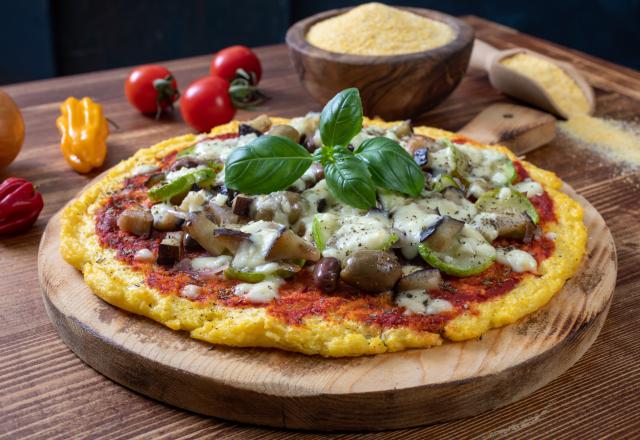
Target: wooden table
<point>45,391</point>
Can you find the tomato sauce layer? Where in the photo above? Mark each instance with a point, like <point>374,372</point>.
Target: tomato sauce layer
<point>298,298</point>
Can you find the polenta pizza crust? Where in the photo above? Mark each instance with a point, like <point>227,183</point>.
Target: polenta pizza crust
<point>117,283</point>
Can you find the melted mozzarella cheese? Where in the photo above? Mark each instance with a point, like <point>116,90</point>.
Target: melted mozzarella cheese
<point>529,188</point>
<point>261,292</point>
<point>252,252</point>
<point>371,231</point>
<point>219,149</point>
<point>193,201</point>
<point>418,301</point>
<point>411,220</point>
<point>519,261</point>
<point>191,291</point>
<point>144,255</point>
<point>143,169</point>
<point>485,223</point>
<point>210,263</point>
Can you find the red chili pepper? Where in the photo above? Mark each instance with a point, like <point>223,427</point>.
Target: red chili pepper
<point>20,205</point>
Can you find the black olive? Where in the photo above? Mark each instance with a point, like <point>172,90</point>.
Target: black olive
<point>326,274</point>
<point>322,205</point>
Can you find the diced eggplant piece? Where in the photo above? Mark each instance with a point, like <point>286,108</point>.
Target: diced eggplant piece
<point>317,171</point>
<point>200,229</point>
<point>285,131</point>
<point>322,205</point>
<point>229,239</point>
<point>519,226</point>
<point>258,126</point>
<point>154,179</point>
<point>326,274</point>
<point>136,221</point>
<point>187,162</point>
<point>453,194</point>
<point>418,142</point>
<point>421,157</point>
<point>371,270</point>
<point>423,279</point>
<point>241,206</point>
<point>440,235</point>
<point>289,246</point>
<point>403,129</point>
<point>190,244</point>
<point>166,220</point>
<point>171,249</point>
<point>281,206</point>
<point>222,215</point>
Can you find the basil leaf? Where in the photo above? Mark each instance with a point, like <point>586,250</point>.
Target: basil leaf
<point>341,118</point>
<point>267,164</point>
<point>350,182</point>
<point>391,166</point>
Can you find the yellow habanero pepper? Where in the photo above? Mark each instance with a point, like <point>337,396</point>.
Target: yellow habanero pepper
<point>84,131</point>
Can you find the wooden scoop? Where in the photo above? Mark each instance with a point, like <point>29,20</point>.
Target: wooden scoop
<point>519,128</point>
<point>487,57</point>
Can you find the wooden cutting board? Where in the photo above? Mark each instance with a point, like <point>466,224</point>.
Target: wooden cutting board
<point>282,389</point>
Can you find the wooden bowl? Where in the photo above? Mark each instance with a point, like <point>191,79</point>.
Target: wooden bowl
<point>391,86</point>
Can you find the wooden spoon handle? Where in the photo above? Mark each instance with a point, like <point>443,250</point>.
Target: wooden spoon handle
<point>482,55</point>
<point>522,129</point>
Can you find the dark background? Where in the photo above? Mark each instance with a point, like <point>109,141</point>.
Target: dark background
<point>45,38</point>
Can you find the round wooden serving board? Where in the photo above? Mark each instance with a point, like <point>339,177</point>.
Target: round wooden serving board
<point>282,389</point>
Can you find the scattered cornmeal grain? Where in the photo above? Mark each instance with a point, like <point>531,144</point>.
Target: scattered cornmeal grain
<point>618,140</point>
<point>377,29</point>
<point>562,89</point>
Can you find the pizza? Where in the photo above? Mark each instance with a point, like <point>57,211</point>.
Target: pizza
<point>487,240</point>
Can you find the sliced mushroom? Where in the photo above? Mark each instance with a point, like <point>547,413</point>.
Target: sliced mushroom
<point>171,249</point>
<point>371,270</point>
<point>135,221</point>
<point>423,279</point>
<point>440,235</point>
<point>519,226</point>
<point>289,246</point>
<point>241,206</point>
<point>285,131</point>
<point>258,126</point>
<point>229,239</point>
<point>326,274</point>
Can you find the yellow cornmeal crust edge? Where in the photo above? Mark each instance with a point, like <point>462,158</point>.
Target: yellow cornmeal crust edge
<point>116,283</point>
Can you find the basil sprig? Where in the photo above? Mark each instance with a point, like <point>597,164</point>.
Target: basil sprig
<point>349,181</point>
<point>391,166</point>
<point>273,163</point>
<point>269,163</point>
<point>341,118</point>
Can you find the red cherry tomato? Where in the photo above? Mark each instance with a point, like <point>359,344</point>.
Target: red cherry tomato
<point>226,63</point>
<point>207,103</point>
<point>151,89</point>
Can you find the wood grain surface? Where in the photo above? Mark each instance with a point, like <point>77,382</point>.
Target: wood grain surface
<point>47,392</point>
<point>291,390</point>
